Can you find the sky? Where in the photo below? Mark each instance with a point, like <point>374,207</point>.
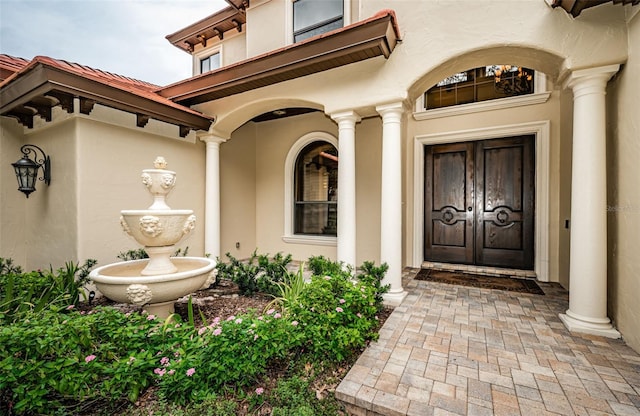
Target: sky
<point>126,37</point>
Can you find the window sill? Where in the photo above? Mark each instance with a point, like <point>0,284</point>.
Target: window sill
<point>310,240</point>
<point>531,99</point>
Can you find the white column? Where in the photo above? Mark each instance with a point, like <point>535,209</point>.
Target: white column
<point>212,195</point>
<point>588,265</point>
<point>391,201</point>
<point>346,250</point>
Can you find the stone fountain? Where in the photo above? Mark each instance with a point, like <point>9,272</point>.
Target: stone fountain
<point>157,282</point>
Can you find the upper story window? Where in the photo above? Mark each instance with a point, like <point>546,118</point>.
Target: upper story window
<point>210,63</point>
<point>480,84</point>
<point>316,190</point>
<point>313,17</point>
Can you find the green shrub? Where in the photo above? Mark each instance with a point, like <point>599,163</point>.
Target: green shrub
<point>32,292</point>
<point>65,361</point>
<point>60,359</point>
<point>140,254</point>
<point>6,267</point>
<point>233,351</point>
<point>339,313</point>
<point>259,273</point>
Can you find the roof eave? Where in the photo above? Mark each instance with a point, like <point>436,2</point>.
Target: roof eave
<point>376,37</point>
<point>42,80</point>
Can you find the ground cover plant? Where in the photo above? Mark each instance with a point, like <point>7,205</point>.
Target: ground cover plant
<point>62,360</point>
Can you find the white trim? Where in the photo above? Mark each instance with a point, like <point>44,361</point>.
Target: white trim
<point>289,171</point>
<point>540,95</point>
<point>541,129</point>
<point>205,53</point>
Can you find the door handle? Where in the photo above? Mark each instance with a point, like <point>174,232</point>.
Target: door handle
<point>469,209</point>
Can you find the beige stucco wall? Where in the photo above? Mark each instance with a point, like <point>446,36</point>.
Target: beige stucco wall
<point>47,219</point>
<point>111,160</point>
<point>12,202</point>
<point>624,192</point>
<point>96,162</point>
<point>238,193</point>
<point>266,25</point>
<point>254,160</point>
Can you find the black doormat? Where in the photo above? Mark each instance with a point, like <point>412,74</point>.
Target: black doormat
<point>480,281</point>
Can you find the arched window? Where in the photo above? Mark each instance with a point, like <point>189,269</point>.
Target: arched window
<point>316,190</point>
<point>481,84</point>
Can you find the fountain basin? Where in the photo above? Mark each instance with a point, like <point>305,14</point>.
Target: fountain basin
<point>157,228</point>
<point>122,282</point>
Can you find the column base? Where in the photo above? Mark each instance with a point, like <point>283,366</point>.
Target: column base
<point>394,299</point>
<point>575,324</point>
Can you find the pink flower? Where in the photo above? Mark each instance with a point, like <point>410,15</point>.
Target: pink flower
<point>217,331</point>
<point>191,372</point>
<point>255,337</point>
<point>151,317</point>
<point>294,323</point>
<point>70,307</point>
<point>260,318</point>
<point>259,391</point>
<point>270,311</point>
<point>339,309</point>
<point>202,330</point>
<point>159,371</point>
<point>231,318</point>
<point>171,372</point>
<point>359,315</point>
<point>89,358</point>
<point>131,359</point>
<point>277,315</point>
<point>342,301</point>
<point>164,361</point>
<point>238,321</point>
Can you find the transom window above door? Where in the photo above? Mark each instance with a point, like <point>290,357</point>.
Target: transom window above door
<point>480,84</point>
<point>316,190</point>
<point>313,17</point>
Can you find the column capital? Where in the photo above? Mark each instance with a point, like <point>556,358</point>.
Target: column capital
<point>397,107</point>
<point>590,77</point>
<point>346,116</point>
<point>212,138</point>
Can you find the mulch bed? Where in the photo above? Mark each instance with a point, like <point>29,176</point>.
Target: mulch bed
<point>512,284</point>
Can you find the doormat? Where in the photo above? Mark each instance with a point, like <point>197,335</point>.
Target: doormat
<point>480,281</point>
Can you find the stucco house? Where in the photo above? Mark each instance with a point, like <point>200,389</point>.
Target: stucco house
<point>490,135</point>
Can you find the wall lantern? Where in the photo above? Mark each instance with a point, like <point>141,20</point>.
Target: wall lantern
<point>27,169</point>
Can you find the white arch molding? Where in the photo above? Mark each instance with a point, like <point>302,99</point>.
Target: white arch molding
<point>541,131</point>
<point>289,171</point>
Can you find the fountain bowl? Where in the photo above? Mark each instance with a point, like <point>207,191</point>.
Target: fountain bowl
<point>122,282</point>
<point>157,228</point>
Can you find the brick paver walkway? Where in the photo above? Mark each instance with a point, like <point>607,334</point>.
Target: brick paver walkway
<point>453,350</point>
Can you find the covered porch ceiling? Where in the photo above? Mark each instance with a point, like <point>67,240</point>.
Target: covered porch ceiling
<point>376,36</point>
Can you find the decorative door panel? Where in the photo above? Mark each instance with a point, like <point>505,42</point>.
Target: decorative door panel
<point>449,225</point>
<point>505,202</point>
<point>479,202</point>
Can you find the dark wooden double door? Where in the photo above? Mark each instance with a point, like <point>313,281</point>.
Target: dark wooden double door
<point>479,202</point>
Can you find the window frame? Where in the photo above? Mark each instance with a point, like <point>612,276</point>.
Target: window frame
<point>540,95</point>
<point>289,35</point>
<point>289,235</point>
<point>204,54</point>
